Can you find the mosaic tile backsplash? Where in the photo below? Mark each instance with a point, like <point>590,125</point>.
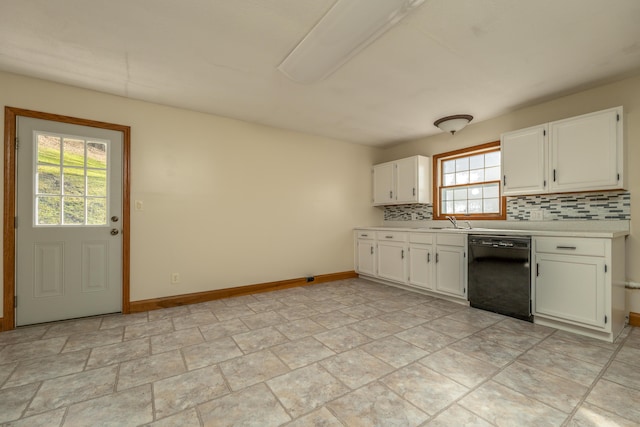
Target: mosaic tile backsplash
<point>554,207</point>
<point>408,212</point>
<point>594,206</point>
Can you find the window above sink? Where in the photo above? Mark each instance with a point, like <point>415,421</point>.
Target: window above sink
<point>467,184</point>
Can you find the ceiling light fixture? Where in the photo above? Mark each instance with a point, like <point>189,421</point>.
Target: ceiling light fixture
<point>347,28</point>
<point>453,123</point>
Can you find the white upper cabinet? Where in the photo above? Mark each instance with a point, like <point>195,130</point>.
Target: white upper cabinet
<point>586,152</point>
<point>383,184</point>
<point>582,153</point>
<point>402,181</point>
<point>524,161</point>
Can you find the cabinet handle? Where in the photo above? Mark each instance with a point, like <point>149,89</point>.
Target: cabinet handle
<point>402,254</point>
<point>569,248</point>
<point>537,269</point>
<point>504,180</point>
<point>414,190</point>
<point>371,250</point>
<point>437,257</point>
<point>544,183</point>
<point>388,237</point>
<point>554,175</point>
<point>364,235</point>
<point>391,194</point>
<point>428,256</point>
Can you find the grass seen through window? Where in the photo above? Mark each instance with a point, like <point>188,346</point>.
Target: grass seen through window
<point>71,184</point>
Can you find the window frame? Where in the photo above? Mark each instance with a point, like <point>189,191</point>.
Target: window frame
<point>437,183</point>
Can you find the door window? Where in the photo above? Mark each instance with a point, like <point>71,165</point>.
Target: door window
<point>71,179</point>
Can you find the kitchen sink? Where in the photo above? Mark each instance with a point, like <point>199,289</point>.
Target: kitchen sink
<point>453,229</point>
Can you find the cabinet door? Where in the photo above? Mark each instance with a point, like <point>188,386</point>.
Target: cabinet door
<point>421,260</point>
<point>450,270</point>
<point>584,152</point>
<point>392,261</point>
<point>571,288</point>
<point>383,188</point>
<point>366,257</point>
<point>524,158</point>
<point>407,180</point>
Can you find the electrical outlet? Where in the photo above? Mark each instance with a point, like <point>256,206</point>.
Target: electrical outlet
<point>139,205</point>
<point>537,215</point>
<point>175,278</point>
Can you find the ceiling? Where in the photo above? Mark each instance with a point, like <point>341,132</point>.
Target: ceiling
<point>479,57</point>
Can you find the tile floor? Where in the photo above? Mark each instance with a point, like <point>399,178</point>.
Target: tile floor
<point>351,353</point>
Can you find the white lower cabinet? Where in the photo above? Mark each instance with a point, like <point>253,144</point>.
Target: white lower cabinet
<point>571,288</point>
<point>577,282</point>
<point>366,252</point>
<point>421,260</point>
<point>392,256</point>
<point>451,268</point>
<point>366,263</point>
<point>579,285</point>
<point>431,261</point>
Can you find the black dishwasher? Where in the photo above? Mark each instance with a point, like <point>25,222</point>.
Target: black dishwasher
<point>500,275</point>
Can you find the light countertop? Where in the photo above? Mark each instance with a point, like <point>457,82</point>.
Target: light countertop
<point>593,229</point>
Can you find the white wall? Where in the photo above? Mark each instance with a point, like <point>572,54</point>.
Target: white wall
<point>226,203</point>
<point>625,92</point>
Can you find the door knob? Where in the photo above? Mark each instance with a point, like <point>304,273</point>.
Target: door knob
<point>114,218</point>
<point>114,231</point>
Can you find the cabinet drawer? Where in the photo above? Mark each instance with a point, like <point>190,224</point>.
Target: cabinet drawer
<point>395,236</point>
<point>451,239</point>
<point>571,246</point>
<point>366,234</point>
<point>426,238</point>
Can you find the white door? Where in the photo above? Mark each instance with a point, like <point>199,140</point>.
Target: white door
<point>571,288</point>
<point>450,277</point>
<point>420,265</point>
<point>391,261</point>
<point>406,179</point>
<point>524,157</point>
<point>366,257</point>
<point>585,152</point>
<point>383,184</point>
<point>68,234</point>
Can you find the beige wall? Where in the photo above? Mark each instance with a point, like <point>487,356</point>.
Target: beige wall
<point>226,203</point>
<point>625,93</point>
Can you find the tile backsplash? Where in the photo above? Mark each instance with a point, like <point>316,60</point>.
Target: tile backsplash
<point>408,212</point>
<point>614,205</point>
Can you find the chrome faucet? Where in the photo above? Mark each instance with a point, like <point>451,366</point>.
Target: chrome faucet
<point>453,221</point>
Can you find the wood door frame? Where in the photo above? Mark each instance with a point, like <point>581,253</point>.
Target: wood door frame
<point>9,231</point>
